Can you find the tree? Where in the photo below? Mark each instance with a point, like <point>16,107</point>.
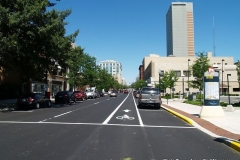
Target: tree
<point>31,37</point>
<point>88,70</point>
<point>73,62</point>
<point>105,81</point>
<point>168,80</point>
<point>238,72</point>
<point>139,84</point>
<point>199,67</point>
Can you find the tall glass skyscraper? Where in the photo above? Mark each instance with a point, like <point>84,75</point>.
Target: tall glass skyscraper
<point>180,29</point>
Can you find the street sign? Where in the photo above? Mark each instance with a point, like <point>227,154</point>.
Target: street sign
<point>211,88</point>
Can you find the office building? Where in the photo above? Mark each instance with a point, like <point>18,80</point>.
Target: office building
<point>153,64</point>
<point>114,68</point>
<point>180,29</point>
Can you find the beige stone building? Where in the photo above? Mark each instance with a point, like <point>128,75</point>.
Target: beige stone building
<point>152,64</point>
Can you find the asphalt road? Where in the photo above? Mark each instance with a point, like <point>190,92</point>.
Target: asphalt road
<point>107,128</point>
<point>233,99</point>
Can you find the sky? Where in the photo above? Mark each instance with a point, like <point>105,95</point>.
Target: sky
<point>129,30</point>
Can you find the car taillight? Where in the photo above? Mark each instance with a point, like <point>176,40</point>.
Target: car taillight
<point>30,99</point>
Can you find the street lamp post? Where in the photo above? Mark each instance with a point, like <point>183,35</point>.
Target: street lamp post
<point>160,72</point>
<point>222,75</point>
<point>188,74</point>
<point>183,84</point>
<point>228,88</point>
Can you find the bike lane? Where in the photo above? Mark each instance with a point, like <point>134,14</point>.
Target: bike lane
<point>125,114</point>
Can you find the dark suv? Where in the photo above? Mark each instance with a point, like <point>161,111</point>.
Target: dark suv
<point>149,97</point>
<point>65,97</point>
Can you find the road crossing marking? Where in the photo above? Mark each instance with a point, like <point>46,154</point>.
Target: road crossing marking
<point>96,124</point>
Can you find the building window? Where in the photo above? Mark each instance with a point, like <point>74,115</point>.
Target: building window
<point>178,73</point>
<point>236,89</point>
<point>186,74</point>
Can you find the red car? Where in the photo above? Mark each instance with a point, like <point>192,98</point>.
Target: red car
<point>80,95</point>
<point>125,91</point>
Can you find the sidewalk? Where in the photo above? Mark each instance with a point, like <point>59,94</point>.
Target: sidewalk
<point>8,104</point>
<point>225,129</point>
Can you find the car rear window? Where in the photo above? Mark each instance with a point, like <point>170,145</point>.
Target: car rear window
<point>150,91</point>
<point>61,93</point>
<point>77,92</point>
<point>29,95</point>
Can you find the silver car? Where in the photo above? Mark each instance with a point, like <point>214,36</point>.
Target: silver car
<point>149,97</point>
<point>113,93</point>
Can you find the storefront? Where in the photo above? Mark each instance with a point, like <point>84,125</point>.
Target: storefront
<point>56,87</point>
<point>35,87</point>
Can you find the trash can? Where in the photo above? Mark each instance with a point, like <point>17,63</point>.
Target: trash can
<point>190,97</point>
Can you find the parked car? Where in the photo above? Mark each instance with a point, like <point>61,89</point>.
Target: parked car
<point>101,94</point>
<point>80,95</point>
<point>113,93</point>
<point>126,91</point>
<point>65,97</point>
<point>90,94</point>
<point>33,100</point>
<point>97,95</point>
<point>149,97</point>
<point>137,94</point>
<point>134,93</point>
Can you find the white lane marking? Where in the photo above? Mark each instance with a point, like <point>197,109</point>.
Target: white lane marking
<point>62,114</point>
<point>124,117</point>
<point>126,110</point>
<point>96,124</point>
<point>23,111</point>
<point>96,102</point>
<point>139,117</point>
<point>111,115</point>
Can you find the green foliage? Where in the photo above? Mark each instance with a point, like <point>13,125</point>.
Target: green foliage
<point>200,66</point>
<point>197,102</point>
<point>73,62</point>
<point>31,36</point>
<point>168,80</point>
<point>224,104</point>
<point>139,84</point>
<point>199,97</point>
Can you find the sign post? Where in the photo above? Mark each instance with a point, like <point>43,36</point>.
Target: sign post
<point>211,104</point>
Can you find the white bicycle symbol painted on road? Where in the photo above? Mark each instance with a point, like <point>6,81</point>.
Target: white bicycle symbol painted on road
<point>124,117</point>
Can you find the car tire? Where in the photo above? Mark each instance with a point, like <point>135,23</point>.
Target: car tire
<point>37,106</point>
<point>139,106</point>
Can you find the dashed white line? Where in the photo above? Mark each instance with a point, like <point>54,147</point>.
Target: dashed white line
<point>62,114</point>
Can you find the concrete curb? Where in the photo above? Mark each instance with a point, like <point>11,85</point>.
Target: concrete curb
<point>234,144</point>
